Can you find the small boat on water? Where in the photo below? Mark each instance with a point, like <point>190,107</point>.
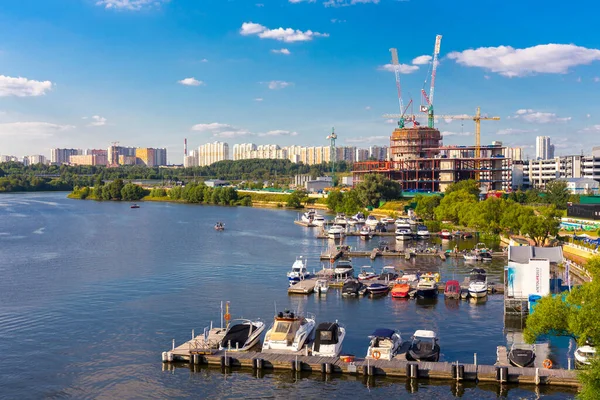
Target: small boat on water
<point>584,354</point>
<point>485,255</point>
<point>289,332</point>
<point>424,347</point>
<point>384,344</point>
<point>427,287</point>
<point>422,232</point>
<point>219,226</point>
<point>402,223</point>
<point>343,269</point>
<point>375,289</point>
<point>466,235</point>
<point>242,335</point>
<point>321,286</point>
<point>309,216</point>
<point>403,234</point>
<point>353,287</point>
<point>387,220</point>
<point>340,219</point>
<point>319,220</point>
<point>336,231</point>
<point>328,339</point>
<point>472,256</point>
<point>359,218</point>
<point>388,273</point>
<point>401,289</point>
<point>445,234</point>
<point>366,273</point>
<point>134,206</point>
<point>452,289</point>
<point>299,271</point>
<point>371,221</point>
<point>478,286</point>
<point>365,233</point>
<point>522,355</point>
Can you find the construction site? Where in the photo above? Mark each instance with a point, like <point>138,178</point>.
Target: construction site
<point>420,162</point>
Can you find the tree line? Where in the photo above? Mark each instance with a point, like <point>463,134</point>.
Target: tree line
<point>369,192</point>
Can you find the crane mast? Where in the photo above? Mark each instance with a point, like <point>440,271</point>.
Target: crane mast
<point>429,99</point>
<point>396,65</point>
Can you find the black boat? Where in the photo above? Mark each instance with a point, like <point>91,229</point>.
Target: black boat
<point>134,206</point>
<point>521,355</point>
<point>352,287</point>
<point>424,347</point>
<point>485,256</point>
<point>242,334</point>
<point>377,289</point>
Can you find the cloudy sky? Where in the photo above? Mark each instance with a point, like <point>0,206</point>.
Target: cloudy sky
<point>84,73</point>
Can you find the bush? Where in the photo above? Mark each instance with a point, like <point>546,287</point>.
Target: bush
<point>433,226</point>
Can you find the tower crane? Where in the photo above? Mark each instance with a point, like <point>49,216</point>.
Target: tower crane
<point>396,65</point>
<point>429,99</point>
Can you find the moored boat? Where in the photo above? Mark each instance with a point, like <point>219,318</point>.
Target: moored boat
<point>365,233</point>
<point>352,287</point>
<point>400,289</point>
<point>388,273</point>
<point>422,232</point>
<point>319,220</point>
<point>427,287</point>
<point>387,220</point>
<point>521,355</point>
<point>445,234</point>
<point>371,221</point>
<point>478,286</point>
<point>340,219</point>
<point>402,223</point>
<point>366,273</point>
<point>289,332</point>
<point>403,234</point>
<point>343,269</point>
<point>336,232</point>
<point>242,335</point>
<point>584,354</point>
<point>424,347</point>
<point>377,289</point>
<point>452,289</point>
<point>384,344</point>
<point>134,206</point>
<point>472,256</point>
<point>359,218</point>
<point>299,271</point>
<point>321,286</point>
<point>329,337</point>
<point>309,216</point>
<point>219,226</point>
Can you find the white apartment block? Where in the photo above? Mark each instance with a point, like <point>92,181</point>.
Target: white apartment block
<point>543,149</point>
<point>514,153</point>
<point>210,153</point>
<point>62,156</point>
<point>191,160</point>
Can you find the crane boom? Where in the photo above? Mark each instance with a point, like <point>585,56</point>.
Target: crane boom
<point>436,52</point>
<point>396,65</point>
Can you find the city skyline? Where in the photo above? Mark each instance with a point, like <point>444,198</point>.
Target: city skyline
<point>154,72</point>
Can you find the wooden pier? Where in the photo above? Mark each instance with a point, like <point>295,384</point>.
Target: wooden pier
<point>398,367</point>
<point>335,254</point>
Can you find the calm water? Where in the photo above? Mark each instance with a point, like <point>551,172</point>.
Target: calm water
<point>91,293</point>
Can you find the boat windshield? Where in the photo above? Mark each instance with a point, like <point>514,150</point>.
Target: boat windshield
<point>282,327</point>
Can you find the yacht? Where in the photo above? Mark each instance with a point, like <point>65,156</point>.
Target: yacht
<point>422,232</point>
<point>584,354</point>
<point>308,216</point>
<point>403,234</point>
<point>343,268</point>
<point>402,223</point>
<point>377,289</point>
<point>445,234</point>
<point>340,219</point>
<point>321,286</point>
<point>366,273</point>
<point>472,256</point>
<point>387,220</point>
<point>365,233</point>
<point>384,344</point>
<point>328,339</point>
<point>371,221</point>
<point>289,332</point>
<point>485,255</point>
<point>241,335</point>
<point>521,355</point>
<point>336,231</point>
<point>424,347</point>
<point>478,286</point>
<point>359,218</point>
<point>427,287</point>
<point>299,271</point>
<point>319,220</point>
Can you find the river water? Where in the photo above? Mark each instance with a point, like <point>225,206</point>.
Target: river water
<point>91,293</point>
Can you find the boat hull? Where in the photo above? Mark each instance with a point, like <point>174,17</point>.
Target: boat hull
<point>427,292</point>
<point>478,293</point>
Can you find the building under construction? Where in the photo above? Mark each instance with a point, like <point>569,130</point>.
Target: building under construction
<point>420,163</point>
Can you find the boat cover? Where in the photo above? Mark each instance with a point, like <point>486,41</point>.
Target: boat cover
<point>327,333</point>
<point>383,333</point>
<point>237,334</point>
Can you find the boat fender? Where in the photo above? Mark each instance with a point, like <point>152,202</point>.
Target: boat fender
<point>547,363</point>
<point>377,354</point>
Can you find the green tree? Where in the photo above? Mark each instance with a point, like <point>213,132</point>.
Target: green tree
<point>557,193</point>
<point>541,227</point>
<point>351,203</point>
<point>131,192</point>
<point>375,187</point>
<point>426,206</point>
<point>469,185</point>
<point>335,200</point>
<point>454,206</point>
<point>576,314</point>
<point>115,188</point>
<point>532,196</point>
<point>295,200</point>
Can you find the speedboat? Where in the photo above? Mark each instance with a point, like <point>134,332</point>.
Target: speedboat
<point>403,234</point>
<point>584,354</point>
<point>427,287</point>
<point>452,290</point>
<point>388,273</point>
<point>343,269</point>
<point>328,339</point>
<point>371,221</point>
<point>445,234</point>
<point>485,255</point>
<point>359,218</point>
<point>424,347</point>
<point>336,231</point>
<point>384,344</point>
<point>387,220</point>
<point>321,286</point>
<point>366,273</point>
<point>472,256</point>
<point>340,219</point>
<point>299,271</point>
<point>289,332</point>
<point>377,289</point>
<point>521,355</point>
<point>402,223</point>
<point>478,286</point>
<point>422,232</point>
<point>241,335</point>
<point>401,289</point>
<point>319,220</point>
<point>365,233</point>
<point>309,216</point>
<point>219,226</point>
<point>134,206</point>
<point>352,287</point>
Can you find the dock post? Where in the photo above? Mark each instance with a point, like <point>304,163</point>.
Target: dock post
<point>458,371</point>
<point>502,374</point>
<point>169,356</point>
<point>412,370</point>
<point>475,359</point>
<point>164,357</point>
<point>196,359</point>
<point>257,363</point>
<point>537,376</point>
<point>326,368</point>
<point>173,348</point>
<point>193,336</point>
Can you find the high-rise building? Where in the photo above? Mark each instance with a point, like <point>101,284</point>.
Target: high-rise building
<point>160,157</point>
<point>36,159</point>
<point>362,155</point>
<point>514,153</point>
<point>379,153</point>
<point>88,159</point>
<point>191,160</point>
<point>543,149</point>
<point>61,156</point>
<point>145,156</point>
<point>115,151</point>
<point>96,152</point>
<point>210,153</point>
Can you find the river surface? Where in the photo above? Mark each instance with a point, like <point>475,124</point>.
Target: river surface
<point>92,292</point>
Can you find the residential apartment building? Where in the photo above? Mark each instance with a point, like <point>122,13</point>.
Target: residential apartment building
<point>35,159</point>
<point>540,172</point>
<point>8,159</point>
<point>514,153</point>
<point>379,153</point>
<point>115,151</point>
<point>210,153</point>
<point>62,156</point>
<point>544,150</point>
<point>89,159</point>
<point>191,160</point>
<point>361,155</point>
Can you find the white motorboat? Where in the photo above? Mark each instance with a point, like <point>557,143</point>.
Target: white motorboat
<point>328,339</point>
<point>422,232</point>
<point>365,233</point>
<point>445,234</point>
<point>340,219</point>
<point>402,223</point>
<point>289,332</point>
<point>308,216</point>
<point>366,273</point>
<point>371,221</point>
<point>299,271</point>
<point>583,355</point>
<point>359,218</point>
<point>403,234</point>
<point>424,347</point>
<point>472,256</point>
<point>319,220</point>
<point>478,286</point>
<point>336,231</point>
<point>387,220</point>
<point>427,287</point>
<point>343,269</point>
<point>321,286</point>
<point>241,335</point>
<point>384,344</point>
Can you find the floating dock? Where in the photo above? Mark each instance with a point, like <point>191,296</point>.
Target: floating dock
<point>335,254</point>
<point>394,368</point>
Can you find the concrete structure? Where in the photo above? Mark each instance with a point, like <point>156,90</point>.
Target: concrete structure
<point>361,155</point>
<point>216,183</point>
<point>301,179</point>
<point>96,152</point>
<point>114,152</point>
<point>585,186</point>
<point>543,149</point>
<point>318,185</point>
<point>191,160</point>
<point>91,159</point>
<point>145,156</point>
<point>62,156</point>
<point>379,153</point>
<point>127,160</point>
<point>36,159</point>
<point>160,157</point>
<point>4,158</point>
<point>210,153</point>
<point>541,172</point>
<point>347,181</point>
<point>514,153</point>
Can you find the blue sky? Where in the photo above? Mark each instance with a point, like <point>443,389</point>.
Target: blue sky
<point>84,73</point>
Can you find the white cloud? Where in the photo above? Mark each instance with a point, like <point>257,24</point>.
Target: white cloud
<point>281,51</point>
<point>404,68</point>
<point>511,62</point>
<point>345,3</point>
<point>593,128</point>
<point>367,107</point>
<point>301,1</point>
<point>391,121</point>
<point>258,99</point>
<point>421,60</point>
<point>368,139</point>
<point>23,87</point>
<point>337,21</point>
<point>486,76</point>
<point>588,115</point>
<point>32,129</point>
<point>275,85</point>
<point>578,80</point>
<point>227,131</point>
<point>278,132</point>
<point>204,60</point>
<point>232,134</point>
<point>287,35</point>
<point>190,82</point>
<point>597,79</point>
<point>129,4</point>
<point>212,127</point>
<point>513,131</point>
<point>259,5</point>
<point>447,133</point>
<point>532,116</point>
<point>97,121</point>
